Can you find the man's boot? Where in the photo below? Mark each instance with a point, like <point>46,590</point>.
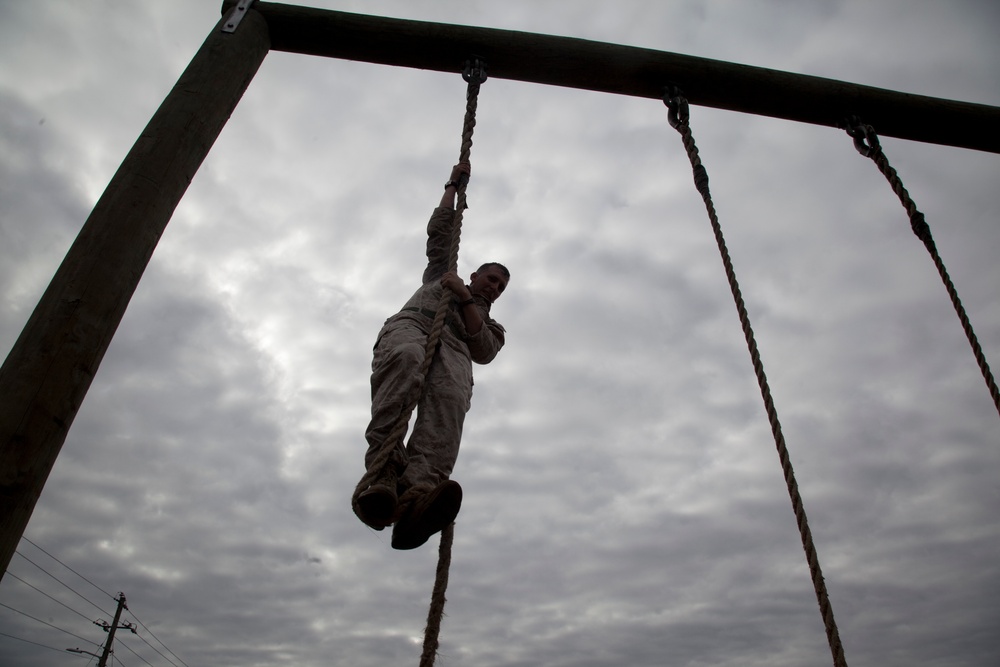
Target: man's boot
<point>376,505</point>
<point>427,515</point>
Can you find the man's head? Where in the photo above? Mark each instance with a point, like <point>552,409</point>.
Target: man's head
<point>490,280</point>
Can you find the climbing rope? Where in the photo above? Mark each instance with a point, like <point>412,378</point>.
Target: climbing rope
<point>474,74</point>
<point>436,610</point>
<point>678,117</point>
<point>867,143</point>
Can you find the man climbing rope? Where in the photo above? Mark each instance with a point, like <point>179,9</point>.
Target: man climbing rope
<point>413,490</point>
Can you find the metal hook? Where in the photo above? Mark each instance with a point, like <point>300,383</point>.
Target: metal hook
<point>677,105</point>
<point>475,70</point>
<point>865,137</point>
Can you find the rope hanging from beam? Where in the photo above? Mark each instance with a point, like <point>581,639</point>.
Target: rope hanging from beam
<point>474,74</point>
<point>867,143</point>
<point>679,120</point>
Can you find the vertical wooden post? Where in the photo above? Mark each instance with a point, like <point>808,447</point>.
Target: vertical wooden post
<point>49,369</point>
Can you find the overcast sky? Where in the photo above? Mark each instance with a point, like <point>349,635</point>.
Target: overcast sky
<point>624,502</point>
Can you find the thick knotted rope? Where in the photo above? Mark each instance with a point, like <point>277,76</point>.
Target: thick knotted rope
<point>867,143</point>
<point>394,441</point>
<point>678,117</point>
<point>436,610</point>
<point>475,75</point>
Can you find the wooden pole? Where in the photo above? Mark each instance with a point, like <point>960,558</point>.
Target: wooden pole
<point>625,70</point>
<point>109,644</point>
<point>49,369</point>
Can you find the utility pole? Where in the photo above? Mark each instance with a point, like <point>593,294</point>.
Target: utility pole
<point>110,629</point>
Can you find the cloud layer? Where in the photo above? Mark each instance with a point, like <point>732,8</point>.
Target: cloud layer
<point>624,501</point>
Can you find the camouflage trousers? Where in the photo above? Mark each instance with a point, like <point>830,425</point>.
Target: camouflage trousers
<point>446,395</point>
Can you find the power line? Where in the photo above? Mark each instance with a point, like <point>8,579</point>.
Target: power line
<point>57,579</point>
<point>132,614</point>
<point>121,643</point>
<point>143,639</point>
<point>80,595</point>
<point>68,567</point>
<point>28,641</point>
<point>165,647</point>
<point>48,624</point>
<point>51,598</point>
<point>47,595</point>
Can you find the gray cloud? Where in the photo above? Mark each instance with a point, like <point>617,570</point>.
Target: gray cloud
<point>624,501</point>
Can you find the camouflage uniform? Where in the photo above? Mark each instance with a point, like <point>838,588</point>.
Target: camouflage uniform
<point>399,351</point>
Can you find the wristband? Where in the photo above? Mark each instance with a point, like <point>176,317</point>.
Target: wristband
<point>467,302</point>
<point>451,184</point>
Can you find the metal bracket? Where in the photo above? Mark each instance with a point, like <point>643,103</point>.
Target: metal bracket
<point>235,16</point>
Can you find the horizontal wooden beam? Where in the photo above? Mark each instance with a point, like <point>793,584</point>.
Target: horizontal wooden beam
<point>626,70</point>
